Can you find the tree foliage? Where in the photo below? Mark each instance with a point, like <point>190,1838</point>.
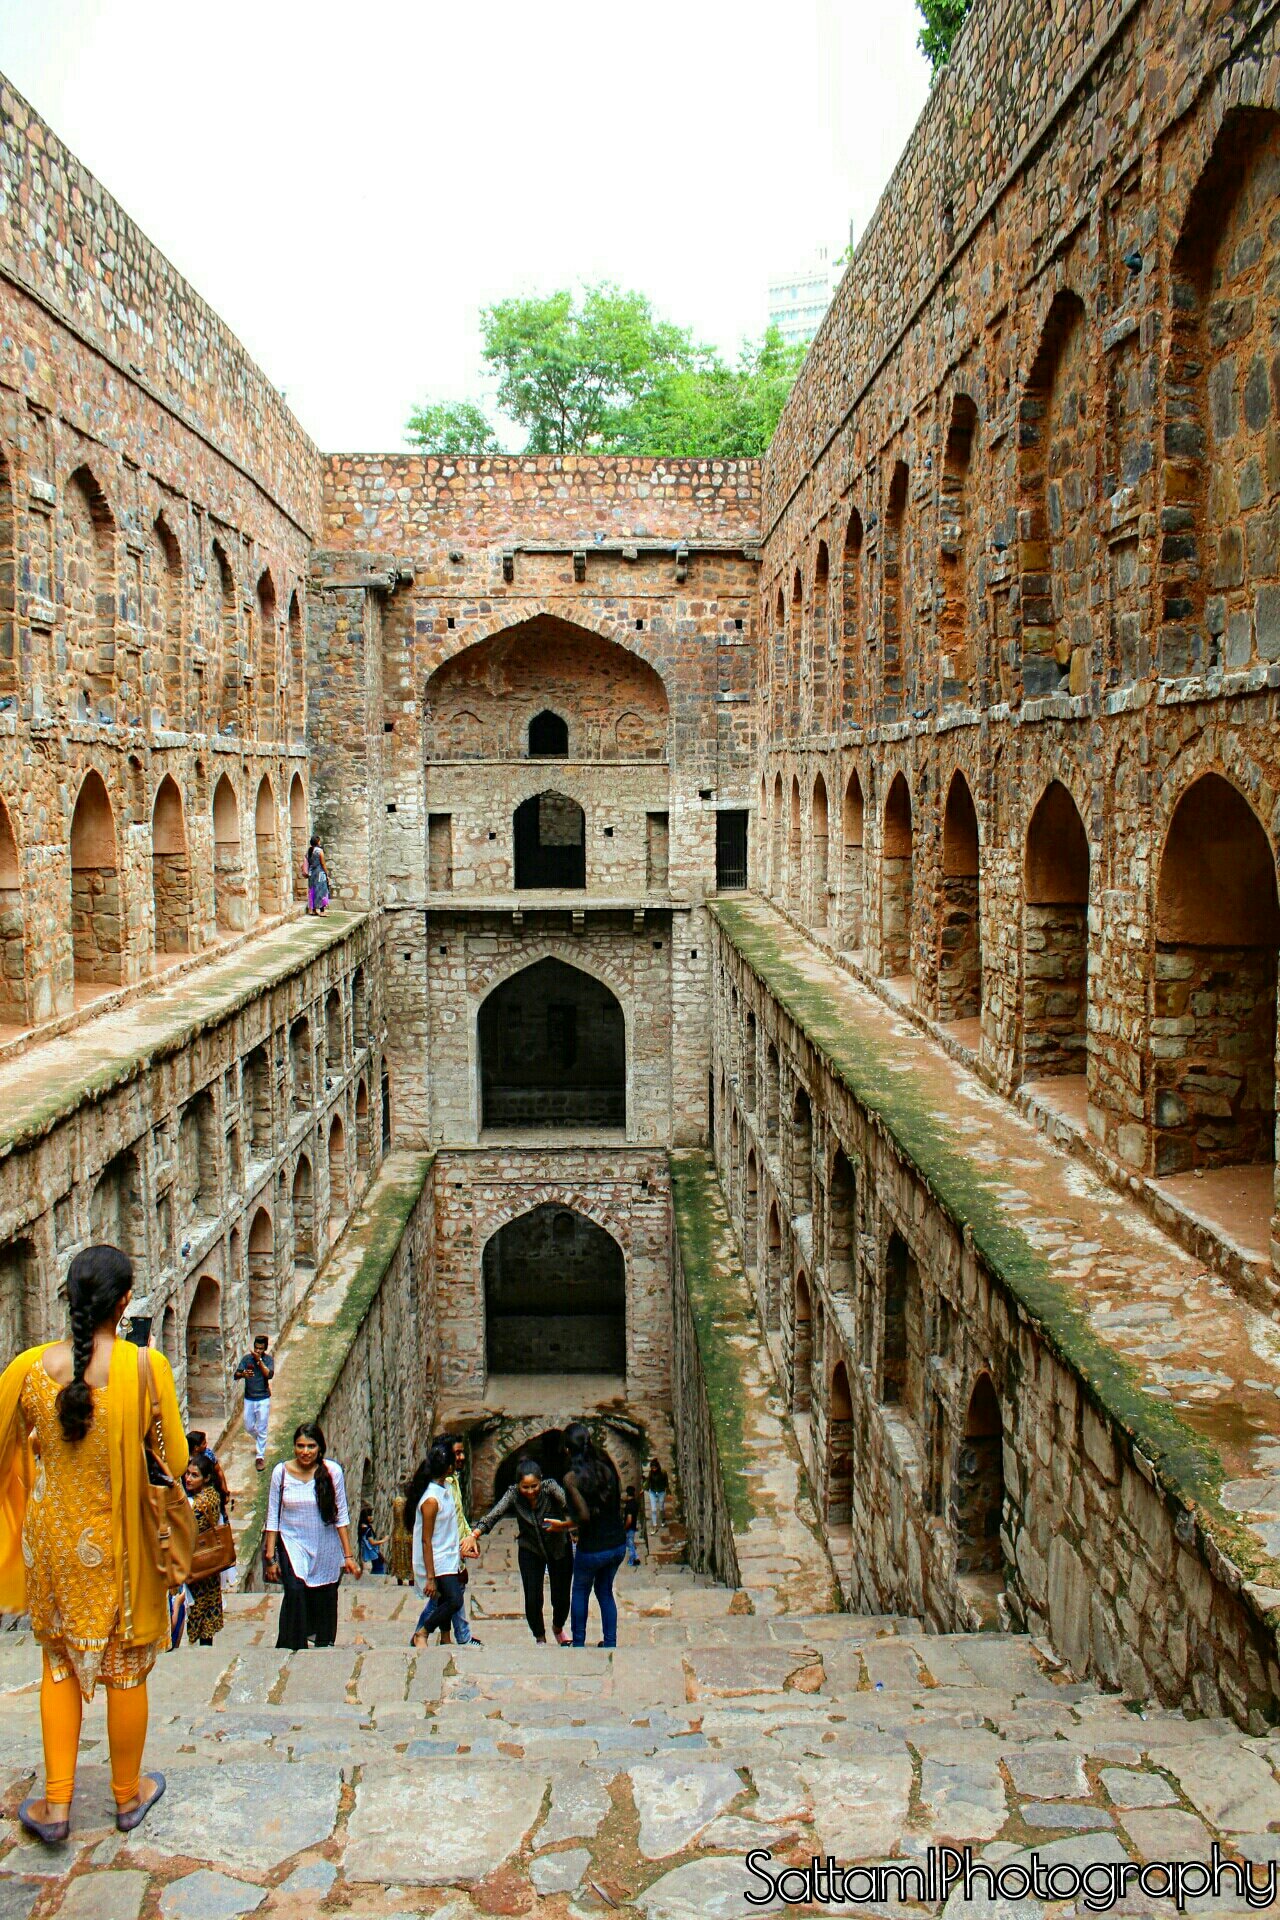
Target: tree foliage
<point>451,426</point>
<point>943,20</point>
<point>600,372</point>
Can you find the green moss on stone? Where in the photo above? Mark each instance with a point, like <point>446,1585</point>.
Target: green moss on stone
<point>1187,1463</point>
<point>720,1303</point>
<point>374,1234</point>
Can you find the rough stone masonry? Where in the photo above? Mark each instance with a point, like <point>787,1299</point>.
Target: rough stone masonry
<point>893,818</point>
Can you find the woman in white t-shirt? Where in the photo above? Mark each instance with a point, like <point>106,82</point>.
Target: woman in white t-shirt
<point>307,1546</point>
<point>437,1546</point>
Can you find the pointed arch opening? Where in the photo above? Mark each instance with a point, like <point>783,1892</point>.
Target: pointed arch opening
<point>297,688</point>
<point>230,892</point>
<point>116,1216</point>
<point>304,1214</point>
<point>89,598</point>
<point>548,736</point>
<point>222,586</point>
<point>1217,943</point>
<point>902,1355</point>
<point>298,835</point>
<point>896,882</point>
<point>262,1275</point>
<point>267,840</point>
<point>956,664</point>
<point>302,1066</point>
<point>852,831</point>
<point>773,1270</point>
<point>839,1461</point>
<point>842,1226</point>
<point>20,1314</point>
<point>777,875</point>
<point>13,929</point>
<point>555,1296</point>
<point>10,659</point>
<point>801,1153</point>
<point>1055,964</point>
<point>170,871</point>
<point>549,838</point>
<point>553,1052</point>
<point>165,666</point>
<point>895,599</point>
<point>363,1148</point>
<point>1056,485</point>
<point>206,1357</point>
<point>977,1497</point>
<point>819,640</point>
<point>818,835</point>
<point>338,1202</point>
<point>959,927</point>
<point>266,675</point>
<point>97,918</point>
<point>851,652</point>
<point>256,1102</point>
<point>801,1346</point>
<point>795,851</point>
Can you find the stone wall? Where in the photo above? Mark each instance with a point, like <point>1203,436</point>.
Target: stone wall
<point>200,1143</point>
<point>697,1282</point>
<point>885,1303</point>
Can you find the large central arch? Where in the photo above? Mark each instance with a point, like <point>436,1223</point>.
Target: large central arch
<point>555,1292</point>
<point>553,1051</point>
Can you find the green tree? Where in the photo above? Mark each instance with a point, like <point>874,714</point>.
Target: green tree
<point>943,20</point>
<point>570,368</point>
<point>452,427</point>
<point>713,411</point>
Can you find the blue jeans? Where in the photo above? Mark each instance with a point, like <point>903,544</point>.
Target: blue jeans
<point>445,1607</point>
<point>632,1556</point>
<point>593,1573</point>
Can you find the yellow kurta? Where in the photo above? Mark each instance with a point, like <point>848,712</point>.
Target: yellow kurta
<point>78,1501</point>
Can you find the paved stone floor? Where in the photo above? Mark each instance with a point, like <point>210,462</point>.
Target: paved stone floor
<point>371,1780</point>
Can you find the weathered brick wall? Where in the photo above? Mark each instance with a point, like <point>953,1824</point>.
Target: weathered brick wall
<point>868,1275</point>
<point>212,1161</point>
<point>1019,526</point>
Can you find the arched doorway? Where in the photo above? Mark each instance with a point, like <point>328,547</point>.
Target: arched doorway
<point>301,1065</point>
<point>549,839</point>
<point>839,1449</point>
<point>298,835</point>
<point>548,736</point>
<point>896,883</point>
<point>842,1226</point>
<point>97,923</point>
<point>13,946</point>
<point>773,1271</point>
<point>777,878</point>
<point>206,1362</point>
<point>1055,940</point>
<point>170,870</point>
<point>851,890</point>
<point>959,926</point>
<point>977,1507</point>
<point>818,837</point>
<point>801,1347</point>
<point>795,852</point>
<point>264,819</point>
<point>902,1333</point>
<point>801,1153</point>
<point>1217,939</point>
<point>362,1131</point>
<point>304,1214</point>
<point>262,1275</point>
<point>337,1176</point>
<point>555,1296</point>
<point>552,1043</point>
<point>230,915</point>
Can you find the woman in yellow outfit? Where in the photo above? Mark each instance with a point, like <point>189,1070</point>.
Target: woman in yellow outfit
<point>72,1550</point>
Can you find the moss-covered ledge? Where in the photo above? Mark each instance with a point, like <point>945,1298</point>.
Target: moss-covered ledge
<point>748,1514</point>
<point>1177,1450</point>
<point>324,1336</point>
<point>53,1078</point>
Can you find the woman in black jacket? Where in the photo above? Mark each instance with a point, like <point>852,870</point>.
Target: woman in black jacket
<point>544,1547</point>
<point>594,1494</point>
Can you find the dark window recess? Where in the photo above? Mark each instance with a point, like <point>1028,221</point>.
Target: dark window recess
<point>552,1051</point>
<point>731,848</point>
<point>548,736</point>
<point>550,842</point>
<point>555,1295</point>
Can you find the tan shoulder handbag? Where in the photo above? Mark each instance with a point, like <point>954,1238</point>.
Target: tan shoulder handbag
<point>215,1551</point>
<point>168,1524</point>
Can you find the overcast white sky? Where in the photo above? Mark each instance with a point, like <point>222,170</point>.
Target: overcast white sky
<point>348,185</point>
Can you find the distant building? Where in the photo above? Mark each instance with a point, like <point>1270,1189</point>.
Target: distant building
<point>797,301</point>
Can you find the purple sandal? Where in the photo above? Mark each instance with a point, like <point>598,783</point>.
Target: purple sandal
<point>52,1832</point>
<point>126,1822</point>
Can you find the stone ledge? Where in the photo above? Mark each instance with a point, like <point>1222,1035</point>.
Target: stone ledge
<point>51,1079</point>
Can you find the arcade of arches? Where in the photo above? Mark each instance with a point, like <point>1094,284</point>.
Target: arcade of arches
<point>803,928</point>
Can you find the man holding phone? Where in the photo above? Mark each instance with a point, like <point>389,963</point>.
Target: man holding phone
<point>256,1370</point>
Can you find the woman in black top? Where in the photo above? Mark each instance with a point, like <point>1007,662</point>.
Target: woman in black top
<point>592,1488</point>
<point>544,1548</point>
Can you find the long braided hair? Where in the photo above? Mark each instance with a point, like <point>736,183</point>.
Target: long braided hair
<point>98,1280</point>
<point>326,1496</point>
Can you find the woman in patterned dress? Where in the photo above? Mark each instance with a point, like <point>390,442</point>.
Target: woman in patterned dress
<point>72,1550</point>
<point>204,1597</point>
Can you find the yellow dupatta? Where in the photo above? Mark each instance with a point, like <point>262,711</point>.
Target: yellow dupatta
<point>143,1600</point>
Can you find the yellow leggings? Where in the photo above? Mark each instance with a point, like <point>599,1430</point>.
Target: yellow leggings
<point>61,1710</point>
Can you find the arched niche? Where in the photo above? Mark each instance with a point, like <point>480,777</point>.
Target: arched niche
<point>13,929</point>
<point>170,870</point>
<point>264,823</point>
<point>959,925</point>
<point>896,881</point>
<point>97,919</point>
<point>230,894</point>
<point>1055,939</point>
<point>555,1296</point>
<point>552,1051</point>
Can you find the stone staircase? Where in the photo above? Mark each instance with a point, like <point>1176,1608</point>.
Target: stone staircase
<point>373,1780</point>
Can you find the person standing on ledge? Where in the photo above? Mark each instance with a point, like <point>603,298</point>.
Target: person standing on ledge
<point>307,1546</point>
<point>655,1493</point>
<point>317,877</point>
<point>73,1551</point>
<point>257,1370</point>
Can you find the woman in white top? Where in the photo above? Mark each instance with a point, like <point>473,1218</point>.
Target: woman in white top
<point>306,1545</point>
<point>437,1546</point>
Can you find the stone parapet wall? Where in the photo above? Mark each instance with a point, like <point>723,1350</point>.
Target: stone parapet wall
<point>705,1406</point>
<point>220,1133</point>
<point>64,238</point>
<point>880,1248</point>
